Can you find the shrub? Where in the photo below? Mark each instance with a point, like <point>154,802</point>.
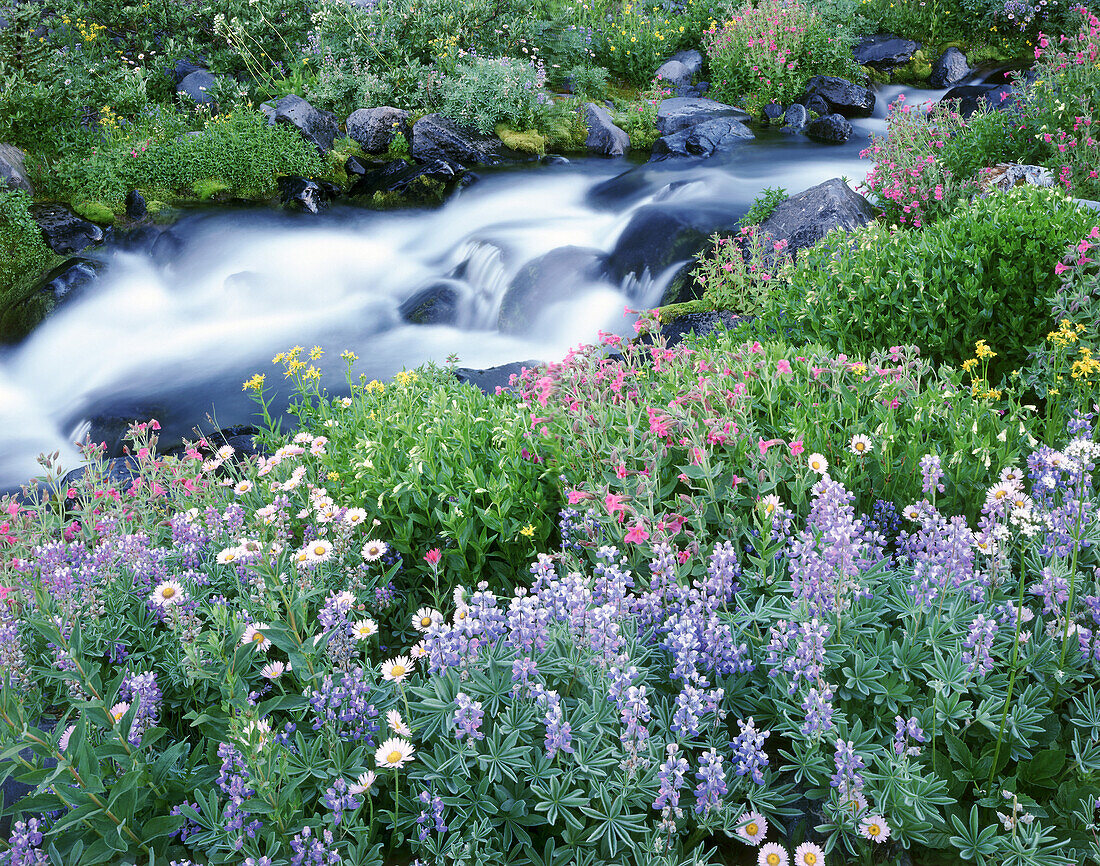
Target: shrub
<point>764,205</point>
<point>486,92</point>
<point>638,118</point>
<point>767,52</point>
<point>740,272</point>
<point>986,272</point>
<point>23,257</point>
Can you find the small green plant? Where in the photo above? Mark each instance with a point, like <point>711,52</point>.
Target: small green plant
<point>639,118</point>
<point>763,205</point>
<point>740,272</point>
<point>485,92</point>
<point>589,82</point>
<point>96,211</point>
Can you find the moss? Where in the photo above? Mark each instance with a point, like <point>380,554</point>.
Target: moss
<point>916,71</point>
<point>672,312</point>
<point>96,211</point>
<point>422,191</point>
<point>525,141</point>
<point>208,187</point>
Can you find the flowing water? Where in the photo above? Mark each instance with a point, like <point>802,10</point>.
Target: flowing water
<point>174,337</point>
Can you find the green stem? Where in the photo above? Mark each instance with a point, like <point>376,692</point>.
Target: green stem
<point>1012,675</point>
<point>1072,592</point>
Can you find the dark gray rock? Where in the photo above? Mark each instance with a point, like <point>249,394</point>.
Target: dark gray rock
<point>949,69</point>
<point>400,176</point>
<point>354,168</point>
<point>300,193</point>
<point>317,127</point>
<point>691,58</point>
<point>119,472</point>
<point>719,135</point>
<point>13,171</point>
<point>971,97</point>
<point>772,112</point>
<point>659,236</point>
<point>435,138</point>
<point>674,74</point>
<point>816,105</point>
<point>884,52</point>
<point>139,239</point>
<point>437,304</point>
<point>182,68</point>
<point>556,276</point>
<point>699,324</point>
<point>489,380</point>
<point>604,137</point>
<point>198,86</point>
<point>830,129</point>
<point>681,112</point>
<point>374,128</point>
<point>67,279</point>
<point>64,231</point>
<point>840,95</point>
<point>804,219</point>
<point>135,205</point>
<point>795,118</point>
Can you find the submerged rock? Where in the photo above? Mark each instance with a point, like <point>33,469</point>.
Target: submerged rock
<point>804,219</point>
<point>950,69</point>
<point>136,208</point>
<point>67,279</point>
<point>402,177</point>
<point>301,193</point>
<point>437,304</point>
<point>556,276</point>
<point>830,129</point>
<point>795,118</point>
<point>659,236</point>
<point>703,139</point>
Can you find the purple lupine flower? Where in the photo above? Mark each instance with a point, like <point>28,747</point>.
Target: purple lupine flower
<point>906,729</point>
<point>143,690</point>
<point>431,816</point>
<point>13,660</point>
<point>671,780</point>
<point>748,751</point>
<point>978,644</point>
<point>799,651</point>
<point>343,703</point>
<point>818,707</point>
<point>1053,589</point>
<point>689,709</point>
<point>848,778</point>
<point>23,845</point>
<point>559,733</point>
<point>311,851</point>
<point>931,472</point>
<point>634,712</point>
<point>468,717</point>
<point>235,782</point>
<point>338,799</point>
<point>524,672</point>
<point>712,782</point>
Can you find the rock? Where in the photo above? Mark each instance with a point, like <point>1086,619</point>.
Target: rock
<point>354,168</point>
<point>12,790</point>
<point>198,86</point>
<point>703,139</point>
<point>674,74</point>
<point>702,87</point>
<point>435,138</point>
<point>701,324</point>
<point>554,159</point>
<point>795,118</point>
<point>691,59</point>
<point>950,69</point>
<point>399,176</point>
<point>68,278</point>
<point>884,52</point>
<point>971,97</point>
<point>831,129</point>
<point>166,247</point>
<point>374,128</point>
<point>317,127</point>
<point>604,137</point>
<point>135,205</point>
<point>659,236</point>
<point>119,472</point>
<point>64,231</point>
<point>556,276</point>
<point>804,219</point>
<point>13,170</point>
<point>1004,176</point>
<point>241,438</point>
<point>681,112</point>
<point>437,304</point>
<point>818,106</point>
<point>300,193</point>
<point>139,240</point>
<point>840,95</point>
<point>182,68</point>
<point>489,380</point>
<point>772,112</point>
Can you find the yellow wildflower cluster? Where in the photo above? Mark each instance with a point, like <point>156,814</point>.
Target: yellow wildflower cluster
<point>1067,333</point>
<point>1085,366</point>
<point>256,383</point>
<point>296,367</point>
<point>983,351</point>
<point>406,378</point>
<point>374,387</point>
<point>89,31</point>
<point>108,120</point>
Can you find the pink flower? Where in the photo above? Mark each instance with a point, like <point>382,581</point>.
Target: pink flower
<point>575,496</point>
<point>636,535</point>
<point>756,348</point>
<point>765,444</point>
<point>1060,268</point>
<point>796,448</point>
<point>784,366</point>
<point>614,503</point>
<point>432,556</point>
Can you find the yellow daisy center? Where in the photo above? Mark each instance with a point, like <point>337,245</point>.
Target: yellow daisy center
<point>752,829</point>
<point>258,637</point>
<point>319,550</point>
<point>815,465</point>
<point>460,615</point>
<point>168,592</point>
<point>425,621</point>
<point>874,830</point>
<point>773,859</point>
<point>397,671</point>
<point>861,446</point>
<point>809,858</point>
<point>118,716</point>
<point>393,757</point>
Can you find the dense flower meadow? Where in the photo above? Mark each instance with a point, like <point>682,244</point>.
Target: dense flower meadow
<point>793,608</point>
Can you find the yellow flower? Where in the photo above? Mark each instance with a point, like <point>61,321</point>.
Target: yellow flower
<point>256,383</point>
<point>315,353</point>
<point>969,364</point>
<point>349,356</point>
<point>983,351</point>
<point>528,531</point>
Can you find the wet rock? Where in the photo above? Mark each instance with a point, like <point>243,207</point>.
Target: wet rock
<point>795,118</point>
<point>884,52</point>
<point>373,129</point>
<point>198,86</point>
<point>604,137</point>
<point>971,97</point>
<point>300,193</point>
<point>659,236</point>
<point>13,171</point>
<point>68,278</point>
<point>437,139</point>
<point>317,127</point>
<point>437,304</point>
<point>840,95</point>
<point>700,324</point>
<point>556,276</point>
<point>354,168</point>
<point>400,176</point>
<point>674,74</point>
<point>182,68</point>
<point>491,378</point>
<point>119,472</point>
<point>772,112</point>
<point>949,69</point>
<point>64,231</point>
<point>136,208</point>
<point>804,219</point>
<point>691,59</point>
<point>679,113</point>
<point>719,135</point>
<point>139,240</point>
<point>816,105</point>
<point>166,247</point>
<point>830,129</point>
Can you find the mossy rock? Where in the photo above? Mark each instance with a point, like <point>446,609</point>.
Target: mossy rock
<point>95,211</point>
<point>208,188</point>
<point>917,71</point>
<point>422,191</point>
<point>525,141</point>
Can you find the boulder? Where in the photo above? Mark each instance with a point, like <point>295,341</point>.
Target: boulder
<point>691,59</point>
<point>167,247</point>
<point>353,167</point>
<point>13,170</point>
<point>884,52</point>
<point>492,379</point>
<point>971,97</point>
<point>795,118</point>
<point>804,219</point>
<point>830,129</point>
<point>558,275</point>
<point>136,208</point>
<point>949,69</point>
<point>435,138</point>
<point>64,231</point>
<point>437,304</point>
<point>674,74</point>
<point>198,86</point>
<point>182,68</point>
<point>68,278</point>
<point>818,106</point>
<point>719,135</point>
<point>400,176</point>
<point>604,137</point>
<point>840,95</point>
<point>373,129</point>
<point>1004,176</point>
<point>700,324</point>
<point>659,236</point>
<point>317,127</point>
<point>681,112</point>
<point>772,112</point>
<point>300,193</point>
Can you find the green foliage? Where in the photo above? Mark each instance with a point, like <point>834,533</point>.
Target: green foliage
<point>23,257</point>
<point>207,188</point>
<point>764,205</point>
<point>741,272</point>
<point>986,272</point>
<point>589,82</point>
<point>638,118</point>
<point>485,92</point>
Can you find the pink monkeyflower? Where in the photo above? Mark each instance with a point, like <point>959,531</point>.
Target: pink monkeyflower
<point>636,535</point>
<point>756,348</point>
<point>1060,268</point>
<point>575,496</point>
<point>620,471</point>
<point>783,366</point>
<point>765,444</point>
<point>796,448</point>
<point>432,556</point>
<point>614,503</point>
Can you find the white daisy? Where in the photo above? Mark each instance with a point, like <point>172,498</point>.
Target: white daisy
<point>427,619</point>
<point>118,711</point>
<point>319,550</point>
<point>394,753</point>
<point>374,550</point>
<point>363,784</point>
<point>273,670</point>
<point>168,594</point>
<point>229,555</point>
<point>242,487</point>
<point>397,669</point>
<point>875,828</point>
<point>809,854</point>
<point>303,438</point>
<point>225,452</point>
<point>397,724</point>
<point>860,445</point>
<point>753,828</point>
<point>773,854</point>
<point>253,634</point>
<point>355,516</point>
<point>419,651</point>
<point>818,463</point>
<point>364,629</point>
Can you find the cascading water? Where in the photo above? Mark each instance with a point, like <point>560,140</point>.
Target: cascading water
<point>174,336</point>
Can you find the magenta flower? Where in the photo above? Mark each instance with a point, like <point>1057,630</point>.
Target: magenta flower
<point>637,534</point>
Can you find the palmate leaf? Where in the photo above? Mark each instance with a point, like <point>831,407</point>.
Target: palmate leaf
<point>613,824</point>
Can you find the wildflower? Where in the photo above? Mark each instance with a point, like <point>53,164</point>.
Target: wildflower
<point>364,629</point>
<point>860,445</point>
<point>818,463</point>
<point>432,556</point>
<point>273,670</point>
<point>242,487</point>
<point>754,828</point>
<point>168,594</point>
<point>397,724</point>
<point>374,550</point>
<point>355,516</point>
<point>254,635</point>
<point>875,828</point>
<point>528,531</point>
<point>636,535</point>
<point>397,669</point>
<point>427,619</point>
<point>228,556</point>
<point>364,783</point>
<point>773,854</point>
<point>118,711</point>
<point>770,504</point>
<point>319,550</point>
<point>809,854</point>
<point>712,782</point>
<point>394,753</point>
<point>468,716</point>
